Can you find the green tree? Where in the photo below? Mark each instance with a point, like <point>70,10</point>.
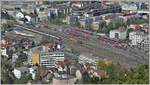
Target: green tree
<point>33,44</point>
<point>46,2</point>
<point>138,75</point>
<point>120,75</point>
<point>110,25</point>
<point>86,78</point>
<point>23,80</point>
<point>18,63</point>
<point>8,26</point>
<point>104,30</point>
<point>101,65</point>
<point>4,71</point>
<point>61,15</point>
<point>128,31</point>
<point>95,80</point>
<point>78,24</point>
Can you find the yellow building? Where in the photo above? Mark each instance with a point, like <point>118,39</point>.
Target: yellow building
<point>95,25</point>
<point>35,58</point>
<point>82,24</point>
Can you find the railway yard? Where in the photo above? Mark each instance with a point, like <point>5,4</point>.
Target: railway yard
<point>117,51</point>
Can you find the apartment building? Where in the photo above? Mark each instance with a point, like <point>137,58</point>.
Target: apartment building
<point>136,37</point>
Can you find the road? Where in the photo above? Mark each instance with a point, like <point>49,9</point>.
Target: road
<point>129,57</point>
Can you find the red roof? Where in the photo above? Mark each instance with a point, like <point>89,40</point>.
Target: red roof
<point>102,73</point>
<point>121,29</point>
<point>135,26</point>
<point>61,63</point>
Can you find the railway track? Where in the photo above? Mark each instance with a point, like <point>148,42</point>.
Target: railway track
<point>97,48</point>
<point>37,31</point>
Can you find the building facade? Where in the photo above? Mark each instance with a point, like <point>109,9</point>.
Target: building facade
<point>48,59</point>
<point>118,34</point>
<point>136,37</point>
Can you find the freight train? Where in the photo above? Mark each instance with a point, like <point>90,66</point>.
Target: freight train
<point>86,35</point>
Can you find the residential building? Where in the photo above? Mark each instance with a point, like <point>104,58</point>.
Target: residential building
<point>99,24</point>
<point>97,73</point>
<point>3,52</point>
<point>19,15</point>
<point>96,25</point>
<point>106,9</point>
<point>145,43</point>
<point>28,10</point>
<point>64,79</point>
<point>22,20</point>
<point>43,15</point>
<point>52,13</point>
<point>92,71</point>
<point>77,4</point>
<point>18,72</point>
<point>96,18</point>
<point>14,58</point>
<point>62,9</point>
<point>120,33</point>
<point>57,10</point>
<point>82,23</point>
<point>129,7</point>
<point>78,75</point>
<point>28,18</point>
<point>44,57</point>
<point>11,12</point>
<point>72,19</point>
<point>136,37</point>
<point>87,21</point>
<point>39,2</point>
<point>48,59</point>
<point>135,26</point>
<point>23,71</point>
<point>109,16</point>
<point>130,18</point>
<point>34,19</point>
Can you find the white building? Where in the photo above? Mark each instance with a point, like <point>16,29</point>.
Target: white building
<point>136,37</point>
<point>131,7</point>
<point>28,18</point>
<point>145,43</point>
<point>43,15</point>
<point>14,58</point>
<point>78,75</point>
<point>119,33</point>
<point>19,15</point>
<point>43,56</point>
<point>3,52</point>
<point>48,59</point>
<point>23,71</point>
<point>77,5</point>
<point>18,72</point>
<point>3,48</point>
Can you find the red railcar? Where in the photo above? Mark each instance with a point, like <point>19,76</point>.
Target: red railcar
<point>112,42</point>
<point>79,33</point>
